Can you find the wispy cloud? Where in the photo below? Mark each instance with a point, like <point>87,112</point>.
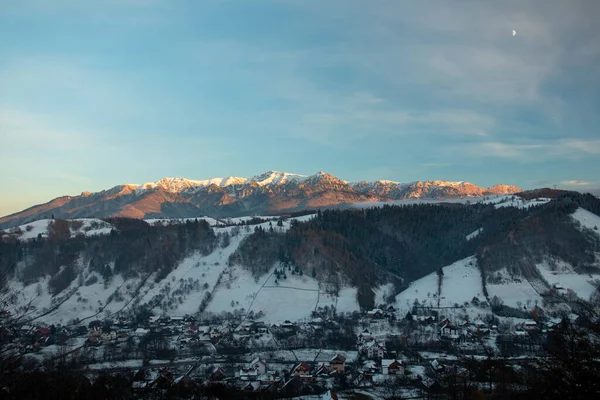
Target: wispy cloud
<point>576,182</point>
<point>532,152</point>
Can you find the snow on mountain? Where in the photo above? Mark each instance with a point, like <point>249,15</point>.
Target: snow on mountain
<point>587,219</point>
<point>230,287</point>
<point>182,290</point>
<point>268,193</point>
<point>474,234</point>
<point>177,185</point>
<point>79,226</point>
<point>515,201</point>
<point>277,178</point>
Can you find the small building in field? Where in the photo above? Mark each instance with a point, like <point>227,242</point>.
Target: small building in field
<point>338,363</point>
<point>392,367</point>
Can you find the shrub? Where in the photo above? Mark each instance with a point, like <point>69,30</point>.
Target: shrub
<point>91,280</point>
<point>76,224</point>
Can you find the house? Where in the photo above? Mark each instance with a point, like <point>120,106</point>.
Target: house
<point>109,336</point>
<point>363,379</point>
<point>249,374</point>
<point>302,371</point>
<point>573,317</point>
<point>323,370</point>
<point>530,326</point>
<point>44,331</point>
<point>204,330</point>
<point>95,331</point>
<point>288,326</point>
<point>317,322</point>
<point>436,366</point>
<point>259,365</point>
<point>365,336</point>
<point>370,367</point>
<point>375,313</point>
<point>392,367</point>
<point>424,319</point>
<point>256,368</point>
<point>479,324</point>
<point>338,363</point>
<point>449,331</point>
<point>258,327</point>
<point>242,330</point>
<point>373,350</point>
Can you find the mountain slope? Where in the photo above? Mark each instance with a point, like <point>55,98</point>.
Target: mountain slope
<point>268,193</point>
<point>84,269</point>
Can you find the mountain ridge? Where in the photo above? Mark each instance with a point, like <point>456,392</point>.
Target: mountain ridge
<point>268,193</point>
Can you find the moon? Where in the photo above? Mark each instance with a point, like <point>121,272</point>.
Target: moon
<point>514,32</point>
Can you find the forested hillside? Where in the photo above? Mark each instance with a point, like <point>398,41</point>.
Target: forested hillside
<point>359,248</point>
<point>400,244</point>
<point>133,248</point>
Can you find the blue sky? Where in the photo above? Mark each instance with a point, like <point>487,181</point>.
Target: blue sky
<point>98,93</point>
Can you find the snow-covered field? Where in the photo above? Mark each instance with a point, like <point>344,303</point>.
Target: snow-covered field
<point>291,299</point>
<point>515,201</point>
<point>514,292</point>
<point>424,290</point>
<point>461,282</point>
<point>89,227</point>
<point>587,219</point>
<point>562,274</point>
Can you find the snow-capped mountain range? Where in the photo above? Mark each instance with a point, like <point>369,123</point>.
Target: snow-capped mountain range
<point>269,193</point>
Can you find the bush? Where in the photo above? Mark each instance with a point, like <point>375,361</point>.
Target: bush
<point>76,224</point>
<point>91,280</point>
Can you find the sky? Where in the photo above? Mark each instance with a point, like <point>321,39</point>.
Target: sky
<point>98,93</point>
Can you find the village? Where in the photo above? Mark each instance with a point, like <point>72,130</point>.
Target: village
<point>380,350</point>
